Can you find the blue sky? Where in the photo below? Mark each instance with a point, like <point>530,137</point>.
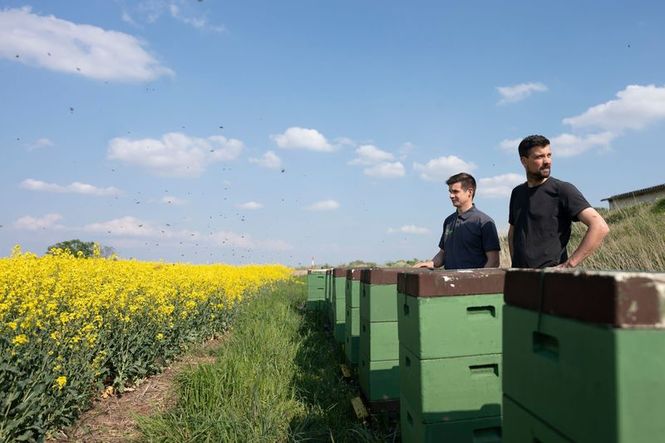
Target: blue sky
<point>265,131</point>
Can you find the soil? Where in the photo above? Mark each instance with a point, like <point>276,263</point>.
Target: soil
<point>112,418</point>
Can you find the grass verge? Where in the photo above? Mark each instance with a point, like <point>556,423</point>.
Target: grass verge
<point>635,243</point>
<point>276,378</point>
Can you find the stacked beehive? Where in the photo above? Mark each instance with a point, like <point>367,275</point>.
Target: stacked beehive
<point>338,304</point>
<point>316,288</point>
<point>583,357</point>
<point>352,318</point>
<point>450,355</point>
<point>378,367</point>
<point>327,302</point>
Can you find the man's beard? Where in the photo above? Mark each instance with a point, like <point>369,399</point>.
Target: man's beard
<point>540,174</point>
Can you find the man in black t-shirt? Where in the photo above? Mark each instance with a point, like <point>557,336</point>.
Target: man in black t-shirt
<point>469,238</point>
<point>542,211</point>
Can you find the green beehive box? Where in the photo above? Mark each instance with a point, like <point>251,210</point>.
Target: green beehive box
<point>379,380</point>
<point>597,339</point>
<point>352,288</point>
<point>478,430</point>
<point>378,368</point>
<point>338,303</point>
<point>378,302</point>
<point>529,429</point>
<point>352,335</point>
<point>378,340</point>
<point>450,313</point>
<point>378,294</point>
<point>448,389</point>
<point>326,297</point>
<point>316,284</point>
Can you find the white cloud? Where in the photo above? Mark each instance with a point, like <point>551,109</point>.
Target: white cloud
<point>269,160</point>
<point>440,169</point>
<point>499,186</point>
<point>128,230</point>
<point>125,226</point>
<point>406,149</point>
<point>73,188</point>
<point>171,200</point>
<point>252,205</point>
<point>175,154</point>
<point>324,205</point>
<point>132,227</point>
<point>127,18</point>
<point>302,138</point>
<point>198,22</point>
<point>40,143</point>
<point>385,170</point>
<point>409,229</point>
<point>515,93</point>
<point>64,46</point>
<point>379,162</point>
<point>569,145</point>
<point>183,11</point>
<point>370,155</point>
<point>510,145</point>
<point>49,221</point>
<point>635,108</point>
<point>344,141</point>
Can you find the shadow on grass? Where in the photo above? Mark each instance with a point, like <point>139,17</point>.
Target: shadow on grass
<point>327,396</point>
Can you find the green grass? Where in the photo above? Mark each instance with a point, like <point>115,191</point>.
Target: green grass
<point>636,241</point>
<point>275,379</point>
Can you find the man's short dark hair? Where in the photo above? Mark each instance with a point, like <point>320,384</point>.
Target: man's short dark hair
<point>466,180</point>
<point>532,141</point>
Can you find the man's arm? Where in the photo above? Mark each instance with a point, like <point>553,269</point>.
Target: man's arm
<point>492,259</point>
<point>436,262</point>
<point>511,232</point>
<point>597,229</point>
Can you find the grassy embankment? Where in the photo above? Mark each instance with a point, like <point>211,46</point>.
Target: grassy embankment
<point>277,378</point>
<point>636,241</point>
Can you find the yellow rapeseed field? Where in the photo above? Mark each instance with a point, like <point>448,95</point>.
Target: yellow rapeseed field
<point>69,326</point>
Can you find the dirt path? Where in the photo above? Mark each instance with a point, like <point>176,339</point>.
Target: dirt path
<point>113,419</point>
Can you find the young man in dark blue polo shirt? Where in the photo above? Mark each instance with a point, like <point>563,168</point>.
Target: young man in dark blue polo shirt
<point>469,238</point>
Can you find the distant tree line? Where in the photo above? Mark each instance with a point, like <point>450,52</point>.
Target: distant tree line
<point>85,248</point>
<point>404,263</point>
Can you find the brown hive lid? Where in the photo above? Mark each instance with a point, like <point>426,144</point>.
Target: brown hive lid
<point>339,272</point>
<point>429,283</point>
<point>353,274</point>
<point>618,299</point>
<point>381,276</point>
<point>316,271</point>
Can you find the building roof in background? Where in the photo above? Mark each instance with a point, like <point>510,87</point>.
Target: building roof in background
<point>637,192</point>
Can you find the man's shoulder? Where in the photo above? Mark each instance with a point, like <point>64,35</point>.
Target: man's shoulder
<point>562,186</point>
<point>553,181</point>
<point>522,187</point>
<point>450,218</point>
<point>481,216</point>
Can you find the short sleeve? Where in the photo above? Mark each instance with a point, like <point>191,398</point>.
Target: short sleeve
<point>442,237</point>
<point>443,234</point>
<point>446,226</point>
<point>511,214</point>
<point>490,236</point>
<point>573,200</point>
